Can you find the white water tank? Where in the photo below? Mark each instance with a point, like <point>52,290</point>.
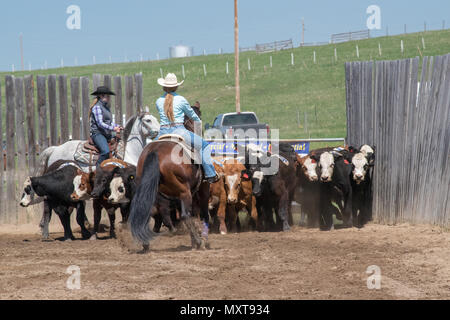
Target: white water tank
<point>181,51</point>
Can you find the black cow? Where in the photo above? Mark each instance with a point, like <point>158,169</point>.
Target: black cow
<point>362,162</point>
<point>274,181</point>
<point>335,186</point>
<point>56,187</point>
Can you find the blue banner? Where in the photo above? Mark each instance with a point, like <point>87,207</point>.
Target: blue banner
<point>228,148</point>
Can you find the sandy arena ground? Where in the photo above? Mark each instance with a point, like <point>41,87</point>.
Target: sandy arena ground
<point>301,264</point>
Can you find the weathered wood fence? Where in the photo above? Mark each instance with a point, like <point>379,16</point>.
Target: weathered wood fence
<point>349,36</point>
<point>46,111</point>
<point>403,108</point>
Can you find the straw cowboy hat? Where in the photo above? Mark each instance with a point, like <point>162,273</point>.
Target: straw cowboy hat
<point>170,81</point>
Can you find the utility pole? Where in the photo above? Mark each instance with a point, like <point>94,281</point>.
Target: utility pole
<point>21,50</point>
<point>236,58</point>
<point>303,32</point>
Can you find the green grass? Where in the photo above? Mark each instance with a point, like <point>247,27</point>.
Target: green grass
<point>278,94</point>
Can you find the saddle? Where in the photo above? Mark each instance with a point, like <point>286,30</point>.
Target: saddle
<point>87,153</point>
<point>90,147</point>
<point>189,151</point>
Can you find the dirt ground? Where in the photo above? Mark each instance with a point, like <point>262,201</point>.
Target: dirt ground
<point>301,264</point>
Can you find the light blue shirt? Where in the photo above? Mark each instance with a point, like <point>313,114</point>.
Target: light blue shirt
<point>181,107</point>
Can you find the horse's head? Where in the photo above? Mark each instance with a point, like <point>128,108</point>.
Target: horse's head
<point>148,125</point>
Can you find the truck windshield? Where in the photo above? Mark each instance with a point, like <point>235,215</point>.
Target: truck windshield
<point>238,119</point>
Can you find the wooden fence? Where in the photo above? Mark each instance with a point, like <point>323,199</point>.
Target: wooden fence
<point>403,108</point>
<point>49,111</point>
<point>350,36</point>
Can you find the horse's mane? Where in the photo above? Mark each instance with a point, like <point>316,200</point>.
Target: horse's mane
<point>129,127</point>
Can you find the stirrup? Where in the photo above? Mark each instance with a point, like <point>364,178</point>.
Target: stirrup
<point>213,179</point>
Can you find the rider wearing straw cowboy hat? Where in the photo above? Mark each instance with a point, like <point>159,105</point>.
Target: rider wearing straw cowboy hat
<point>101,125</point>
<point>172,108</point>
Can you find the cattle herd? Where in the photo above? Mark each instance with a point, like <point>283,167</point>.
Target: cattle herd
<point>326,182</point>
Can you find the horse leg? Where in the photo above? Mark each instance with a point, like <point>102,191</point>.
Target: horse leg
<point>97,217</point>
<point>81,219</point>
<point>202,198</point>
<point>112,221</point>
<point>186,209</point>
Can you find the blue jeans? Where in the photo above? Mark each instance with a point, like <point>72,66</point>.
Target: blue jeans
<point>102,145</point>
<point>198,143</point>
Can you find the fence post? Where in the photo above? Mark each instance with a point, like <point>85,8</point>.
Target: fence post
<point>97,80</point>
<point>139,92</point>
<point>271,61</point>
<point>107,80</point>
<point>20,125</point>
<point>64,108</point>
<point>182,71</point>
<point>204,69</point>
<point>292,58</point>
<point>86,105</point>
<point>31,123</point>
<point>379,48</point>
<point>314,57</point>
<point>10,149</point>
<point>42,111</point>
<point>52,109</point>
<point>118,99</point>
<point>129,96</point>
<point>75,104</point>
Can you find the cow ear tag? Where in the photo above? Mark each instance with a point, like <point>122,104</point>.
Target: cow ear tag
<point>313,161</point>
<point>245,176</point>
<point>346,161</point>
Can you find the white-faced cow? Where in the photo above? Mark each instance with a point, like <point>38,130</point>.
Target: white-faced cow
<point>274,181</point>
<point>362,162</point>
<point>334,177</point>
<point>56,187</point>
<point>239,195</point>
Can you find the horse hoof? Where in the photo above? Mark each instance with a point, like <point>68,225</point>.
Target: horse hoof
<point>145,249</point>
<point>93,237</point>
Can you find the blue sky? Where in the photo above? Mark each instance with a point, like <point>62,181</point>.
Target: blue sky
<point>129,28</point>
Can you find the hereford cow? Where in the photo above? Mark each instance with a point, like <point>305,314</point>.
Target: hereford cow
<point>308,190</point>
<point>273,178</point>
<point>56,188</point>
<point>217,202</point>
<point>362,162</point>
<point>334,177</point>
<point>239,195</point>
<point>97,186</point>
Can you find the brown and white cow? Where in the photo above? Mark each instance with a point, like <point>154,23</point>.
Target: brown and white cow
<point>218,199</point>
<point>238,189</point>
<point>96,185</point>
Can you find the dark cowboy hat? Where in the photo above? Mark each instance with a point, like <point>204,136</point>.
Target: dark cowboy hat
<point>102,90</point>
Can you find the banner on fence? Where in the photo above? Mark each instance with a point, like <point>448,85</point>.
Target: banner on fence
<point>228,148</point>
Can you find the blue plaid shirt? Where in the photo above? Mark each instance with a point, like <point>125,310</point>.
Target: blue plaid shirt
<point>97,111</point>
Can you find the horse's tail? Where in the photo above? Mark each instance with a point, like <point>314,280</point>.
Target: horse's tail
<point>43,161</point>
<point>144,199</point>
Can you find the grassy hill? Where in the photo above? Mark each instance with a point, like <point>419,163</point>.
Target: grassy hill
<point>279,95</point>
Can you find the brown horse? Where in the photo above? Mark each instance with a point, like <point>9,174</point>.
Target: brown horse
<point>158,172</point>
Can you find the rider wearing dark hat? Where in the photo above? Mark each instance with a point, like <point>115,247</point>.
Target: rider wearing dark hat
<point>101,124</point>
